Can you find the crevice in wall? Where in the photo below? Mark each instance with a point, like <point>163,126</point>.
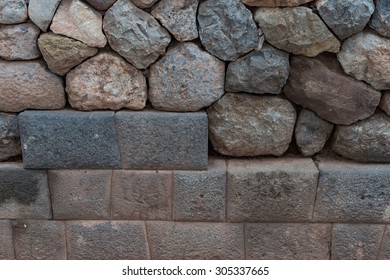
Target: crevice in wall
<point>381,242</point>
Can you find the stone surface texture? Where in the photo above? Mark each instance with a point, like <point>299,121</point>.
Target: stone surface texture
<point>226,28</point>
<point>321,85</point>
<point>271,190</point>
<point>246,125</point>
<point>186,79</point>
<point>366,56</point>
<point>179,17</point>
<point>296,30</point>
<point>13,11</point>
<point>380,20</point>
<point>263,71</point>
<point>135,34</point>
<point>365,141</point>
<point>144,3</point>
<point>41,12</point>
<point>106,81</point>
<point>79,21</point>
<point>29,85</point>
<point>7,251</point>
<point>385,103</point>
<point>19,42</point>
<point>9,136</point>
<point>101,4</point>
<point>384,253</point>
<point>275,3</point>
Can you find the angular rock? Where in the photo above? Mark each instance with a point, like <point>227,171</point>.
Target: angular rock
<point>275,3</point>
<point>380,21</point>
<point>263,71</point>
<point>311,132</point>
<point>62,53</point>
<point>366,56</point>
<point>77,20</point>
<point>106,81</point>
<point>19,42</point>
<point>271,190</point>
<point>226,28</point>
<point>143,4</point>
<point>384,253</point>
<point>135,34</point>
<point>186,79</point>
<point>179,17</point>
<point>365,141</point>
<point>41,12</point>
<point>245,125</point>
<point>7,251</point>
<point>9,136</point>
<point>13,11</point>
<point>296,30</point>
<point>345,17</point>
<point>29,85</point>
<point>101,4</point>
<point>385,103</point>
<point>321,85</point>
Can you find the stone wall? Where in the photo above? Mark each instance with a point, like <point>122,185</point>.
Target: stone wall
<point>186,129</point>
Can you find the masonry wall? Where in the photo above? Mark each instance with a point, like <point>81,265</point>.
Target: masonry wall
<point>251,129</point>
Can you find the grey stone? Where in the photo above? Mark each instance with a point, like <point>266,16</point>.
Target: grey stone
<point>384,253</point>
<point>246,125</point>
<point>200,195</point>
<point>19,42</point>
<point>23,193</point>
<point>380,20</point>
<point>106,240</point>
<point>356,242</point>
<point>101,4</point>
<point>311,132</point>
<point>39,240</point>
<point>263,71</point>
<point>9,136</point>
<point>296,30</point>
<point>135,34</point>
<point>366,56</point>
<point>179,17</point>
<point>345,17</point>
<point>275,3</point>
<point>321,85</point>
<point>366,141</point>
<point>13,11</point>
<point>271,190</point>
<point>193,241</point>
<point>273,241</point>
<point>186,79</point>
<point>41,12</point>
<point>353,192</point>
<point>144,3</point>
<point>7,251</point>
<point>385,103</point>
<point>68,139</point>
<point>226,28</point>
<point>157,140</point>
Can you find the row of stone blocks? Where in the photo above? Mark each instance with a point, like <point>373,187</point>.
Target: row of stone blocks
<point>54,239</point>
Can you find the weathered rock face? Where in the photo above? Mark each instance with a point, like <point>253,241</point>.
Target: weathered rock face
<point>275,3</point>
<point>144,3</point>
<point>101,4</point>
<point>366,57</point>
<point>366,141</point>
<point>41,12</point>
<point>19,42</point>
<point>186,79</point>
<point>311,132</point>
<point>13,11</point>
<point>381,19</point>
<point>63,53</point>
<point>385,103</point>
<point>77,20</point>
<point>226,28</point>
<point>106,81</point>
<point>246,125</point>
<point>345,17</point>
<point>264,71</point>
<point>9,136</point>
<point>30,85</point>
<point>321,85</point>
<point>179,17</point>
<point>296,30</point>
<point>135,34</point>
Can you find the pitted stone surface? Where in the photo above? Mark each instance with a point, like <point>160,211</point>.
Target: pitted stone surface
<point>9,136</point>
<point>381,18</point>
<point>7,251</point>
<point>41,12</point>
<point>13,11</point>
<point>275,3</point>
<point>101,4</point>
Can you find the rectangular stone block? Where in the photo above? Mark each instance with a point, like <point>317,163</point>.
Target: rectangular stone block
<point>353,192</point>
<point>192,241</point>
<point>200,195</point>
<point>142,195</point>
<point>106,240</point>
<point>271,190</point>
<point>6,241</point>
<point>384,253</point>
<point>162,140</point>
<point>80,194</point>
<point>23,193</point>
<point>356,241</point>
<point>68,139</point>
<point>273,241</point>
<point>39,240</point>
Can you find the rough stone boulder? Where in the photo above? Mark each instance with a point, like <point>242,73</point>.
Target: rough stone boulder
<point>13,11</point>
<point>41,12</point>
<point>275,3</point>
<point>101,4</point>
<point>143,4</point>
<point>380,21</point>
<point>385,103</point>
<point>9,136</point>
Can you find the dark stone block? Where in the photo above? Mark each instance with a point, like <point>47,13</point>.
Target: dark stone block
<point>6,241</point>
